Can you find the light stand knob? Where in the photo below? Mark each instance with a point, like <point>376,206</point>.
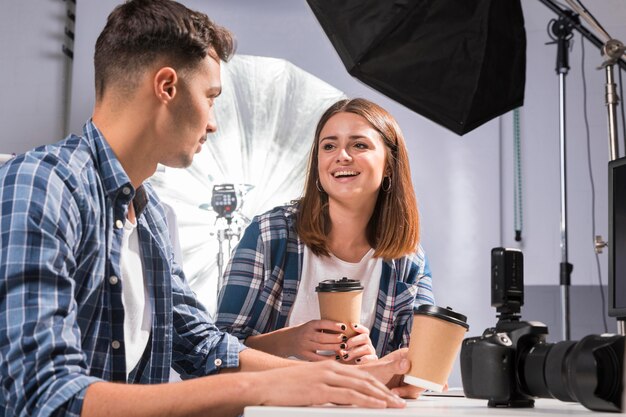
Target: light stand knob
<point>600,244</point>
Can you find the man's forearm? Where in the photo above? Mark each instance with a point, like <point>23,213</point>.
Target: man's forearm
<point>251,360</point>
<point>217,395</point>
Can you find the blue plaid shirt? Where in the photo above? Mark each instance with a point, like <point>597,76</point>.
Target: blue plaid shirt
<point>261,283</point>
<point>61,312</point>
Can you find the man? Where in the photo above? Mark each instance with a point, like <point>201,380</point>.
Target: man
<point>90,298</point>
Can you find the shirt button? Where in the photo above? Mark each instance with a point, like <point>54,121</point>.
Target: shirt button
<point>113,280</point>
<point>218,362</point>
<point>115,344</point>
<point>126,190</point>
<point>119,224</point>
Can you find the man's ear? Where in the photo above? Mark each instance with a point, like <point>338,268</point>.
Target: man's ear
<point>165,83</point>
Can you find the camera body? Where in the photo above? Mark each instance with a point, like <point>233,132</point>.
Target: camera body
<point>511,363</point>
<point>490,364</point>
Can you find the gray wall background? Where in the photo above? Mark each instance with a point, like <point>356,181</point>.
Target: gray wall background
<point>464,185</point>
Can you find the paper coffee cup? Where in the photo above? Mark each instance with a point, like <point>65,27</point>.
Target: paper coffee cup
<point>436,338</point>
<point>340,301</point>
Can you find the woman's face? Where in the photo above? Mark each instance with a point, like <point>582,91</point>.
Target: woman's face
<point>351,158</point>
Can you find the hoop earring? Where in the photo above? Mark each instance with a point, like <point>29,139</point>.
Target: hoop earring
<point>317,185</point>
<point>388,187</point>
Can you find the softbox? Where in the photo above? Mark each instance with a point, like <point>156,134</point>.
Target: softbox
<point>459,63</point>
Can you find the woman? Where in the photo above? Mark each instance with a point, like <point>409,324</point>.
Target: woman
<point>358,219</point>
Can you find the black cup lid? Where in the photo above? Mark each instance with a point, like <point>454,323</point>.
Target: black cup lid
<point>339,285</point>
<point>442,313</point>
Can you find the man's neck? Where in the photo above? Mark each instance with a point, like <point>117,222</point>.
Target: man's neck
<point>129,139</point>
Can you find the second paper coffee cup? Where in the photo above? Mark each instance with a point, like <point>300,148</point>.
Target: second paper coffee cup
<point>340,301</point>
<point>436,338</point>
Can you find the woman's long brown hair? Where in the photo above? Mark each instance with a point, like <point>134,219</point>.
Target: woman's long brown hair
<point>393,229</point>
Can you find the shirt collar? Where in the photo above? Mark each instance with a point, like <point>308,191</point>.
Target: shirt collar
<point>114,178</point>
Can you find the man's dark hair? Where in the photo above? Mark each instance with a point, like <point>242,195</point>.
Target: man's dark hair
<point>141,32</point>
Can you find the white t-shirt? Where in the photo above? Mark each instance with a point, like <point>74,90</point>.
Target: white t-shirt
<point>319,268</point>
<point>137,305</point>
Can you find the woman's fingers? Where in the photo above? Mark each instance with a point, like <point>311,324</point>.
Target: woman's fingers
<point>357,352</point>
<point>359,328</point>
<point>318,335</point>
<point>327,338</point>
<point>327,326</point>
<point>357,347</point>
<point>362,339</point>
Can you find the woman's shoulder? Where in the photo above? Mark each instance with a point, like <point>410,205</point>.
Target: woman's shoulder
<point>415,258</point>
<point>279,216</point>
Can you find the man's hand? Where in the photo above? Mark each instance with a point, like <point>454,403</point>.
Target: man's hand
<point>320,383</point>
<point>390,371</point>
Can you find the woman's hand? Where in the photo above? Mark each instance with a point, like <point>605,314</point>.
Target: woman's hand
<point>307,339</point>
<point>358,349</point>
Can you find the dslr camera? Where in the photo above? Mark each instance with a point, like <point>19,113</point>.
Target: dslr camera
<point>511,364</point>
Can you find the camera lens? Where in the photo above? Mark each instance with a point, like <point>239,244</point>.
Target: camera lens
<point>589,371</point>
<point>531,371</point>
<point>558,371</point>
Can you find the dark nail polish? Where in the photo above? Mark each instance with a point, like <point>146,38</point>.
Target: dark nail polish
<point>346,356</point>
<point>343,327</point>
<point>337,357</point>
<point>344,338</point>
<point>342,346</point>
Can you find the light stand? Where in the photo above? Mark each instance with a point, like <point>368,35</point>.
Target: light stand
<point>614,50</point>
<point>226,201</point>
<point>225,235</point>
<point>562,30</point>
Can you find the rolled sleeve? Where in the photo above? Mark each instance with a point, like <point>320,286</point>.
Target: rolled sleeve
<point>68,395</point>
<point>225,354</point>
<point>199,347</point>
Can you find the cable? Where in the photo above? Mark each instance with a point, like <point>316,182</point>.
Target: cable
<point>518,218</point>
<point>621,95</point>
<point>580,9</point>
<point>593,188</point>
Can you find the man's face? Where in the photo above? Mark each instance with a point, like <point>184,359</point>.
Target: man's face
<point>192,113</point>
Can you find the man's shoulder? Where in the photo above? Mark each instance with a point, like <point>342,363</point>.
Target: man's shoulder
<point>64,159</point>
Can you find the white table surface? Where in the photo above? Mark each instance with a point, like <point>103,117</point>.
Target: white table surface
<point>435,407</point>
